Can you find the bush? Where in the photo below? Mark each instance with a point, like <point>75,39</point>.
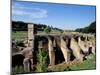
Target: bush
<point>41,66</point>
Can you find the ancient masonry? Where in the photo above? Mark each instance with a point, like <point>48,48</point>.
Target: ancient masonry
<point>32,30</point>
<point>31,36</point>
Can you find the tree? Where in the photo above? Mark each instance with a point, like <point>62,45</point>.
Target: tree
<point>89,29</point>
<point>79,30</point>
<point>47,29</point>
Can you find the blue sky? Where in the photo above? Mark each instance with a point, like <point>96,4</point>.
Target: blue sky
<point>64,16</point>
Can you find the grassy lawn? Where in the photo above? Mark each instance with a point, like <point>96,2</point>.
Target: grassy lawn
<point>18,35</point>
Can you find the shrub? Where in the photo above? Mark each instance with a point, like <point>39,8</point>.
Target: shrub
<point>41,58</point>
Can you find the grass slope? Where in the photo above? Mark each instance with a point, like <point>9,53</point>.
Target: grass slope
<point>88,64</point>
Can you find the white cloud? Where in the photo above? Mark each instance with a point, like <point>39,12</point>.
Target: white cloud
<point>40,13</point>
<point>28,11</point>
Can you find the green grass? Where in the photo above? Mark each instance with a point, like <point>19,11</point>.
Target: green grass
<point>18,35</point>
<point>17,69</point>
<point>88,64</point>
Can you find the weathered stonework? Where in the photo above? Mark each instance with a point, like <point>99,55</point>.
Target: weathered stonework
<point>31,35</point>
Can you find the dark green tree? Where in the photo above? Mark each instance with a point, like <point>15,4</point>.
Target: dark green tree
<point>47,29</point>
<point>89,29</point>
